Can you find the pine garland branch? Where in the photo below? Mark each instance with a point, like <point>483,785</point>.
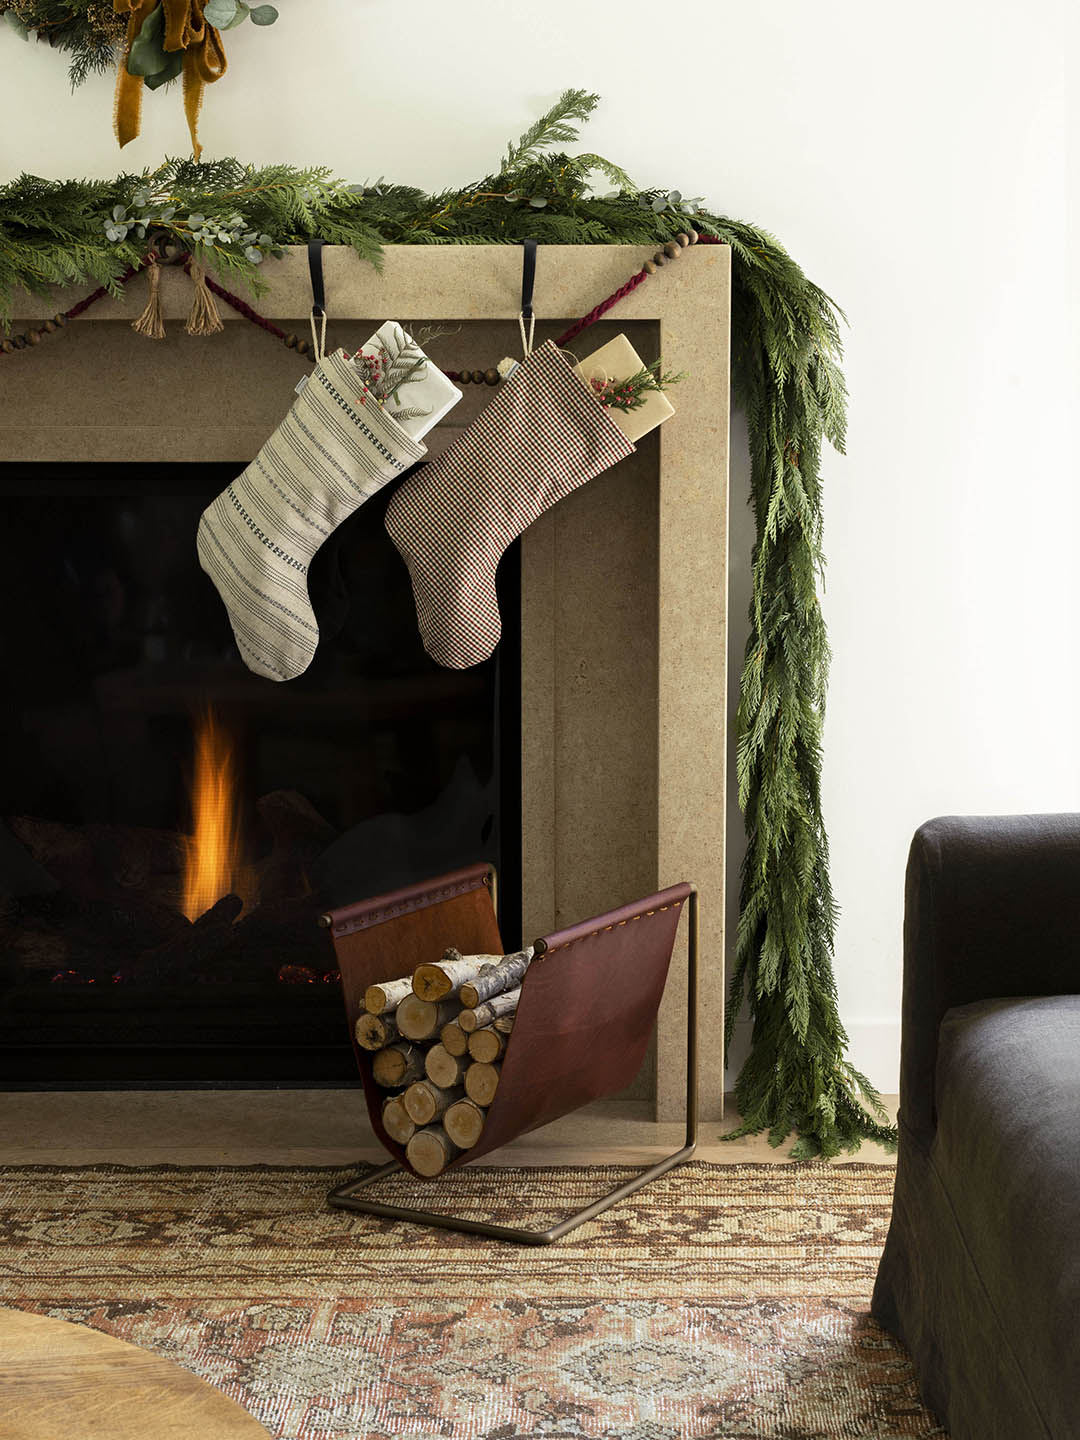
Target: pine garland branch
<point>555,127</point>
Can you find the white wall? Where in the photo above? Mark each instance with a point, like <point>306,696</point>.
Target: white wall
<point>912,159</point>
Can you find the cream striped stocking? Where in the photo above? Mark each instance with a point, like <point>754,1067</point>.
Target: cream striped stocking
<point>332,451</point>
<point>542,436</point>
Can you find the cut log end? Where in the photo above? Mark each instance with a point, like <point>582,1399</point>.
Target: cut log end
<point>444,1069</point>
<point>464,1123</point>
<point>490,1011</point>
<point>430,1151</point>
<point>375,1031</point>
<point>397,1065</point>
<point>380,999</point>
<point>396,1121</point>
<point>481,1082</point>
<point>431,982</point>
<point>425,1102</point>
<point>421,1019</point>
<point>487,1045</point>
<point>437,981</point>
<point>453,1038</point>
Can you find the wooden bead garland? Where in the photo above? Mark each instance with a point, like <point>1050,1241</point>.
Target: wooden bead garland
<point>32,337</point>
<point>672,250</point>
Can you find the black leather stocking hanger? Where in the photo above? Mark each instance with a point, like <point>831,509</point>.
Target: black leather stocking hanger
<point>528,280</point>
<point>318,284</point>
<point>318,293</point>
<point>318,289</point>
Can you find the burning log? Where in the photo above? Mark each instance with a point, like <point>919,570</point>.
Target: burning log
<point>276,930</point>
<point>487,1045</point>
<point>492,1010</point>
<point>481,1082</point>
<point>421,1019</point>
<point>199,947</point>
<point>464,1123</point>
<point>491,980</point>
<point>397,1065</point>
<point>378,999</point>
<point>93,861</point>
<point>300,835</point>
<point>425,1102</point>
<point>435,982</point>
<point>373,1032</point>
<point>430,1151</point>
<point>396,1121</point>
<point>294,824</point>
<point>444,1069</point>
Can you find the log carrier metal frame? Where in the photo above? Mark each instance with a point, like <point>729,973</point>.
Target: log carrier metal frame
<point>386,937</point>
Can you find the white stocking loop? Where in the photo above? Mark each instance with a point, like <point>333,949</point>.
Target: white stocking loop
<point>318,341</point>
<point>526,340</point>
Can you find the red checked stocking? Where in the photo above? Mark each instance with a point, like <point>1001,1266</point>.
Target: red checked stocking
<point>543,435</point>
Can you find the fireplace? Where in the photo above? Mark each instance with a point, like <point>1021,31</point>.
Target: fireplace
<point>604,756</point>
<point>172,825</point>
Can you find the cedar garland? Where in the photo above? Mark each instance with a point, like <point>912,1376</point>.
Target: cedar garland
<point>786,353</point>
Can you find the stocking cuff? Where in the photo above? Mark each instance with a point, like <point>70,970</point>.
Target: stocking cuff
<point>338,380</point>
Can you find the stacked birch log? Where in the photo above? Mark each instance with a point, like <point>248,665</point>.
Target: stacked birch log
<point>437,1040</point>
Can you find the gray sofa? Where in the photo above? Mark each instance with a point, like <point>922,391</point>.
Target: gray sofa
<point>981,1272</point>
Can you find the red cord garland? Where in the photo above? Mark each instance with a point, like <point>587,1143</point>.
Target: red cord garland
<point>102,290</point>
<point>601,309</point>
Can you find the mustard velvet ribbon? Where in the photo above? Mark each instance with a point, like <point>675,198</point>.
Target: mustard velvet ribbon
<point>186,29</point>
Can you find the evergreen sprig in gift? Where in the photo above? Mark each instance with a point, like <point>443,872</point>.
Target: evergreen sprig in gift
<point>629,393</point>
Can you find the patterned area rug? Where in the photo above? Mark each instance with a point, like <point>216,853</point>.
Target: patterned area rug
<point>721,1301</point>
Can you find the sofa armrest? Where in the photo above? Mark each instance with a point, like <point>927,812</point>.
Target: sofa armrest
<point>992,909</point>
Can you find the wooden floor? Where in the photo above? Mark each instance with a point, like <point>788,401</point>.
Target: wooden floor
<point>317,1127</point>
<point>60,1380</point>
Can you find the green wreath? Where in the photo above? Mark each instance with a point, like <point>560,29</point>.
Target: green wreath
<point>786,354</point>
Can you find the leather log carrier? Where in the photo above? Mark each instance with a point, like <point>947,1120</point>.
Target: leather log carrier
<point>588,1005</point>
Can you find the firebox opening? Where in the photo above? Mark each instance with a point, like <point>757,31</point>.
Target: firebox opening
<point>171,826</point>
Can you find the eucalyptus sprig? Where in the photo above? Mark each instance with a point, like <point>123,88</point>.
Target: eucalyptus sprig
<point>149,212</point>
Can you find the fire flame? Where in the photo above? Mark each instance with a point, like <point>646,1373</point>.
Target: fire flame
<point>212,864</point>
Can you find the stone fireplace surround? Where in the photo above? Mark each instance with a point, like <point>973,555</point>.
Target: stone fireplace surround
<point>623,585</point>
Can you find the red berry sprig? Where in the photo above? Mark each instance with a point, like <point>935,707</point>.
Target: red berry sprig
<point>630,393</point>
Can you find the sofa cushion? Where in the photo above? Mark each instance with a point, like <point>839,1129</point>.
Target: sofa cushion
<point>1007,1149</point>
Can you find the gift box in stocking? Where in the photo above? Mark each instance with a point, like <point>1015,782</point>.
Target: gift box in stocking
<point>336,447</point>
<point>543,435</point>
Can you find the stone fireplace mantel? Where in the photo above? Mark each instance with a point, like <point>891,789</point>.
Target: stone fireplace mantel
<point>624,625</point>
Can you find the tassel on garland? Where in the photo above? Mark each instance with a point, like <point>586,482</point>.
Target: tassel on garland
<point>150,323</point>
<point>205,317</point>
